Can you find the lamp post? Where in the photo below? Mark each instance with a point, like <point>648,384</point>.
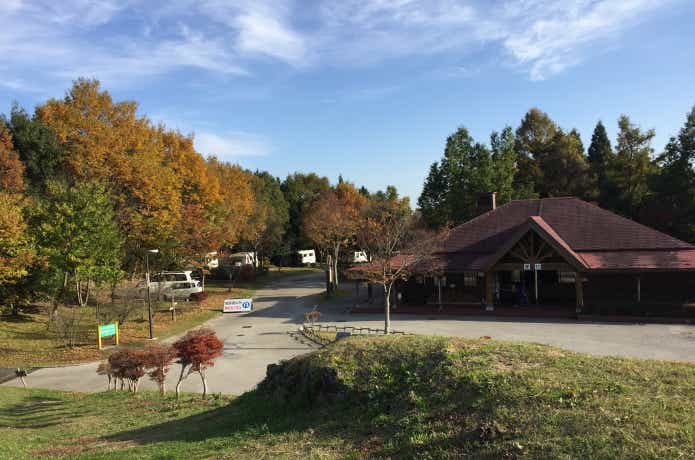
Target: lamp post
<point>149,299</point>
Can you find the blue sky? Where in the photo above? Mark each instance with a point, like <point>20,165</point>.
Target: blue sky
<point>369,89</point>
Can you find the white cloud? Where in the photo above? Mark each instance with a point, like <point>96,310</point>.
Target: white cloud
<point>124,41</point>
<point>230,145</point>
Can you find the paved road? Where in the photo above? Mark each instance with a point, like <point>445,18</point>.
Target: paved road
<point>251,341</point>
<point>267,335</point>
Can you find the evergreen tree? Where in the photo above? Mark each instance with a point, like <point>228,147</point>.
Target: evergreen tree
<point>433,197</point>
<point>468,168</point>
<point>600,158</point>
<point>504,166</point>
<point>38,148</point>
<point>672,208</point>
<point>631,169</point>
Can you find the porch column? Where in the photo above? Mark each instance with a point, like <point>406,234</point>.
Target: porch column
<point>579,287</point>
<point>370,294</point>
<point>489,299</point>
<point>639,289</point>
<point>439,291</point>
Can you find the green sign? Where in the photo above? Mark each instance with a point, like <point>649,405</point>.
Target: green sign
<point>107,330</point>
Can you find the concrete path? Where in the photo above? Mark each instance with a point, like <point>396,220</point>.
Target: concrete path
<point>268,334</point>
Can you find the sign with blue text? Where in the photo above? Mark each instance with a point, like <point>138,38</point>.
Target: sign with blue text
<point>237,305</point>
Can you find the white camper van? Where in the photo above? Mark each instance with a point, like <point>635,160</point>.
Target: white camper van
<point>359,257</point>
<point>307,256</point>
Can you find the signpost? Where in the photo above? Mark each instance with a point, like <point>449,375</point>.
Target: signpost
<point>237,305</point>
<point>107,330</point>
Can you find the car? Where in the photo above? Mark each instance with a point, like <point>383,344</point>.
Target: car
<point>165,280</point>
<point>182,290</point>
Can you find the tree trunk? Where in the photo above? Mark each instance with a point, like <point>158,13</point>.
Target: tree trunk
<point>329,277</point>
<point>336,253</point>
<point>205,384</point>
<point>162,388</point>
<point>178,384</point>
<point>56,301</point>
<point>387,309</point>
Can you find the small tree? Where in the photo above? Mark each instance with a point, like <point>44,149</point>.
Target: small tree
<point>158,359</point>
<point>104,368</point>
<point>396,243</point>
<point>196,351</point>
<point>128,365</point>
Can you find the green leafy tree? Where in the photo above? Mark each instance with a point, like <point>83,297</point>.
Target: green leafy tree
<point>267,224</point>
<point>301,192</point>
<point>631,169</point>
<point>469,172</point>
<point>672,208</point>
<point>535,137</point>
<point>76,234</point>
<point>504,160</point>
<point>565,170</point>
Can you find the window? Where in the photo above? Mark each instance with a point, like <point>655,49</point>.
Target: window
<point>470,279</point>
<point>566,277</point>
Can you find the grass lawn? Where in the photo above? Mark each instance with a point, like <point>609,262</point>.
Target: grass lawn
<point>384,397</point>
<point>26,342</point>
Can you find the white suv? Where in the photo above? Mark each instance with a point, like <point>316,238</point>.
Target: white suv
<point>163,282</point>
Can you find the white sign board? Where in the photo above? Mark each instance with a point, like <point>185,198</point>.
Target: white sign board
<point>237,305</point>
<point>537,267</point>
<point>527,267</point>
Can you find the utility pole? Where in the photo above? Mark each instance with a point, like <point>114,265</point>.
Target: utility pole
<point>149,298</point>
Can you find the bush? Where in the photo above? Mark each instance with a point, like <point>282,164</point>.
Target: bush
<point>197,351</point>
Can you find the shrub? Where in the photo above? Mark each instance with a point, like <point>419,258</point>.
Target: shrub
<point>158,358</point>
<point>196,351</point>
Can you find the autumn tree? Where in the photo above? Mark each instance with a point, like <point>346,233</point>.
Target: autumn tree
<point>108,142</point>
<point>332,224</point>
<point>196,352</point>
<point>129,366</point>
<point>158,359</point>
<point>394,240</point>
<point>16,252</point>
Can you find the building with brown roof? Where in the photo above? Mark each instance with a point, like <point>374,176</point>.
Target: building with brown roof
<point>555,251</point>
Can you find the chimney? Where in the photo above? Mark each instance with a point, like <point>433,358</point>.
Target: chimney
<point>487,202</point>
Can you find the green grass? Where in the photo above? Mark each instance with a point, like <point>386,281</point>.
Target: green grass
<point>384,397</point>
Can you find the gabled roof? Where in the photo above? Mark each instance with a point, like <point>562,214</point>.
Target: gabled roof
<point>588,237</point>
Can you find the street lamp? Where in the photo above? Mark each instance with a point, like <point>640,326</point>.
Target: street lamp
<point>149,299</point>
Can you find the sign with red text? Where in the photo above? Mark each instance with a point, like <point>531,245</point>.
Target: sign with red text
<point>237,305</point>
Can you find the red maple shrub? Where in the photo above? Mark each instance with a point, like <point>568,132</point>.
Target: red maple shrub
<point>196,351</point>
<point>158,359</point>
<point>128,366</point>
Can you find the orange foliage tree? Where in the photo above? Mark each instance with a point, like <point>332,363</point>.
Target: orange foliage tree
<point>332,224</point>
<point>15,251</point>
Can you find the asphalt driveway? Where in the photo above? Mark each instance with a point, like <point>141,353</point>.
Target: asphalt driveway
<point>268,334</point>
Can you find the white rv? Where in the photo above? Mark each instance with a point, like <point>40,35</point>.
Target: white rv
<point>359,257</point>
<point>243,258</point>
<point>307,256</point>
